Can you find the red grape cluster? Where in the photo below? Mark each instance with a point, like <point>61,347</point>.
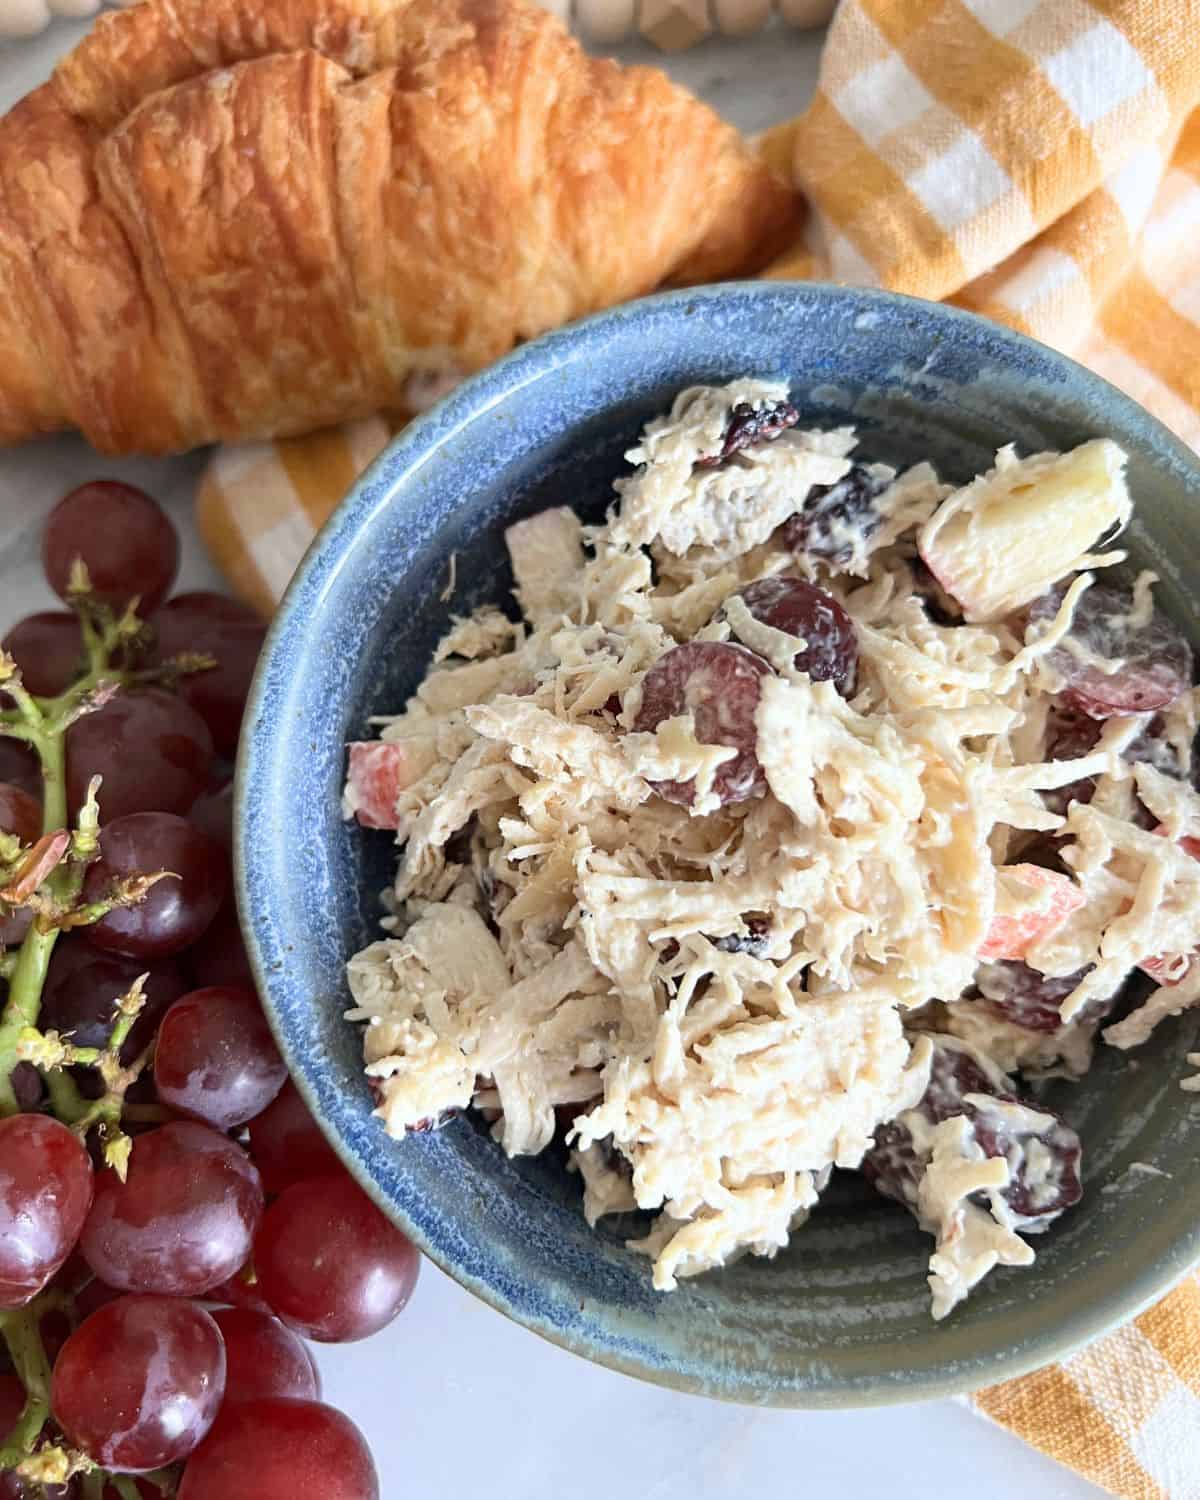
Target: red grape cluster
<point>171,1218</point>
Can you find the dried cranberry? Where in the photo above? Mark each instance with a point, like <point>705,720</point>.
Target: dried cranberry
<point>798,608</point>
<point>1040,1185</point>
<point>836,517</point>
<point>719,684</point>
<point>1118,665</point>
<point>749,425</point>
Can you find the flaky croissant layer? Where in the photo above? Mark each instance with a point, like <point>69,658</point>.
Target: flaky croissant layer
<point>224,221</point>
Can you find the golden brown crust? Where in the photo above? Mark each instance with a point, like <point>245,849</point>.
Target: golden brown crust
<point>225,222</point>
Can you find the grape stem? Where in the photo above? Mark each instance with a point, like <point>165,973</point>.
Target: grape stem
<point>22,1335</point>
<point>106,1111</point>
<point>43,724</point>
<point>33,958</point>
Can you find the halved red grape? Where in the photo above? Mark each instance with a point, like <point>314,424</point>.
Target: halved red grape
<point>1022,996</point>
<point>139,1383</point>
<point>45,1194</point>
<point>330,1264</point>
<point>1071,734</point>
<point>263,1358</point>
<point>837,519</point>
<point>1109,662</point>
<point>184,1220</point>
<point>287,1144</point>
<point>151,748</point>
<point>719,684</point>
<point>48,648</point>
<point>1043,1162</point>
<point>220,957</point>
<point>176,911</point>
<point>290,1447</point>
<point>216,1060</point>
<point>226,630</point>
<point>799,608</point>
<point>125,538</point>
<point>79,999</point>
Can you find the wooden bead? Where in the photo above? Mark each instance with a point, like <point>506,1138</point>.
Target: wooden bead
<point>674,25</point>
<point>606,21</point>
<point>806,14</point>
<point>741,17</point>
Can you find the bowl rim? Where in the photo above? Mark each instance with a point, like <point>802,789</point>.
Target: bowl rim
<point>349,524</point>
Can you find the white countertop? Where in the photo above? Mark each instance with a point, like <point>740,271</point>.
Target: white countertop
<point>454,1399</point>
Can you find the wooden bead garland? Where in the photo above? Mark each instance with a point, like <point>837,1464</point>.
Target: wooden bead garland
<point>674,25</point>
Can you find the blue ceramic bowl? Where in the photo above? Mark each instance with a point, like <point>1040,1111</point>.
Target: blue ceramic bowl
<point>842,1317</point>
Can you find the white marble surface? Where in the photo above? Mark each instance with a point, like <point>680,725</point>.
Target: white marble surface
<point>454,1399</point>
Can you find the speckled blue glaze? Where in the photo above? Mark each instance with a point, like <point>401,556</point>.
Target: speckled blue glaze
<point>840,1318</point>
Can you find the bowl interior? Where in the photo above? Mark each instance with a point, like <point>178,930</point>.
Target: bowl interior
<point>842,1316</point>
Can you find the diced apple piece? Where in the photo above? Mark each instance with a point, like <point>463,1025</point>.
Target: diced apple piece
<point>1031,904</point>
<point>1159,969</point>
<point>1005,538</point>
<point>378,771</point>
<point>546,552</point>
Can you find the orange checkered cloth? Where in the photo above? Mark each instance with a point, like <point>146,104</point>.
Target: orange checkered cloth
<point>1037,161</point>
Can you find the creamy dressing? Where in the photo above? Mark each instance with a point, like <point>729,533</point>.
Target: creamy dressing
<point>565,939</point>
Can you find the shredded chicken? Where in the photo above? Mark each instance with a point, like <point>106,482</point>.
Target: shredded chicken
<point>722,995</point>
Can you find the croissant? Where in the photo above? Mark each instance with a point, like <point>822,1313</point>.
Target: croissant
<point>223,220</point>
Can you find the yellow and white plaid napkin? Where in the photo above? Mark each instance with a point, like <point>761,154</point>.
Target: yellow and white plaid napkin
<point>1037,161</point>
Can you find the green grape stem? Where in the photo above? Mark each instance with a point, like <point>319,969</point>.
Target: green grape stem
<point>33,958</point>
<point>67,1103</point>
<point>22,1335</point>
<point>42,724</point>
<point>49,879</point>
